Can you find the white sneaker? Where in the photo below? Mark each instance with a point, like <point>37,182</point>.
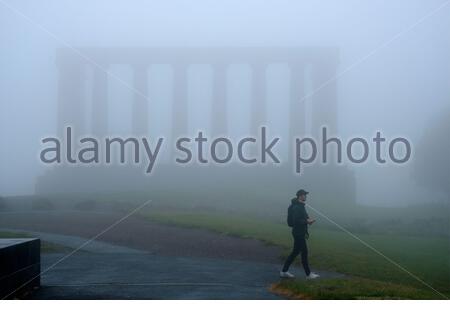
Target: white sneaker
<point>312,275</point>
<point>286,274</point>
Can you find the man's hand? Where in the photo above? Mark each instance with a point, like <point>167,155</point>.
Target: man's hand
<point>311,221</point>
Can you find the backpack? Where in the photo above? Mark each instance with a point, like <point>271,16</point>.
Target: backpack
<point>290,216</point>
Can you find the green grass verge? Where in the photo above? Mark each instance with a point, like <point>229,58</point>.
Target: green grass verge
<point>46,247</point>
<point>426,258</point>
<point>348,289</point>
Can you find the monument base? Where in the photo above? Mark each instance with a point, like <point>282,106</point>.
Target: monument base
<point>257,189</point>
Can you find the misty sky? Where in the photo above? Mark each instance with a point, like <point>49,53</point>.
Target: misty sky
<point>401,83</point>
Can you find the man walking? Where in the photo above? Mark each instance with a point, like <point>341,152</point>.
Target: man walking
<point>299,220</point>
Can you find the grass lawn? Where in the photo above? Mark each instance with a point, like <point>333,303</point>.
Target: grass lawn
<point>348,289</point>
<point>371,275</point>
<point>46,247</point>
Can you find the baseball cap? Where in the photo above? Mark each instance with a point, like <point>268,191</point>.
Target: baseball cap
<point>301,192</point>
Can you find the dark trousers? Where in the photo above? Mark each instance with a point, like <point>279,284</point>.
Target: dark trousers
<point>299,246</point>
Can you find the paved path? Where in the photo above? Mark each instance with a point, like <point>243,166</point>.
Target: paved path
<point>146,276</point>
<point>143,260</point>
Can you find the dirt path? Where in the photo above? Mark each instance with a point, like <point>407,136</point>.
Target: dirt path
<point>139,233</point>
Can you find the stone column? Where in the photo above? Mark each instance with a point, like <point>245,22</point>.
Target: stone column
<point>179,109</point>
<point>71,108</point>
<point>258,109</point>
<point>297,114</point>
<point>324,100</point>
<point>140,101</point>
<point>219,114</point>
<point>100,101</point>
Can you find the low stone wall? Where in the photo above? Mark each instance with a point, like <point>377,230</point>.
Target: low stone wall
<point>20,266</point>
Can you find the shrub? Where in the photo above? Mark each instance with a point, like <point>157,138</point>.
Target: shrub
<point>42,204</point>
<point>3,205</point>
<point>86,205</point>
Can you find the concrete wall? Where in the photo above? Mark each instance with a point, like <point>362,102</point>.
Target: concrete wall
<point>20,266</point>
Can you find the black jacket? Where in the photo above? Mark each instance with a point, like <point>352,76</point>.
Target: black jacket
<point>300,218</point>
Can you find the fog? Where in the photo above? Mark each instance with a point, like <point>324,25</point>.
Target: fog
<point>393,76</point>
